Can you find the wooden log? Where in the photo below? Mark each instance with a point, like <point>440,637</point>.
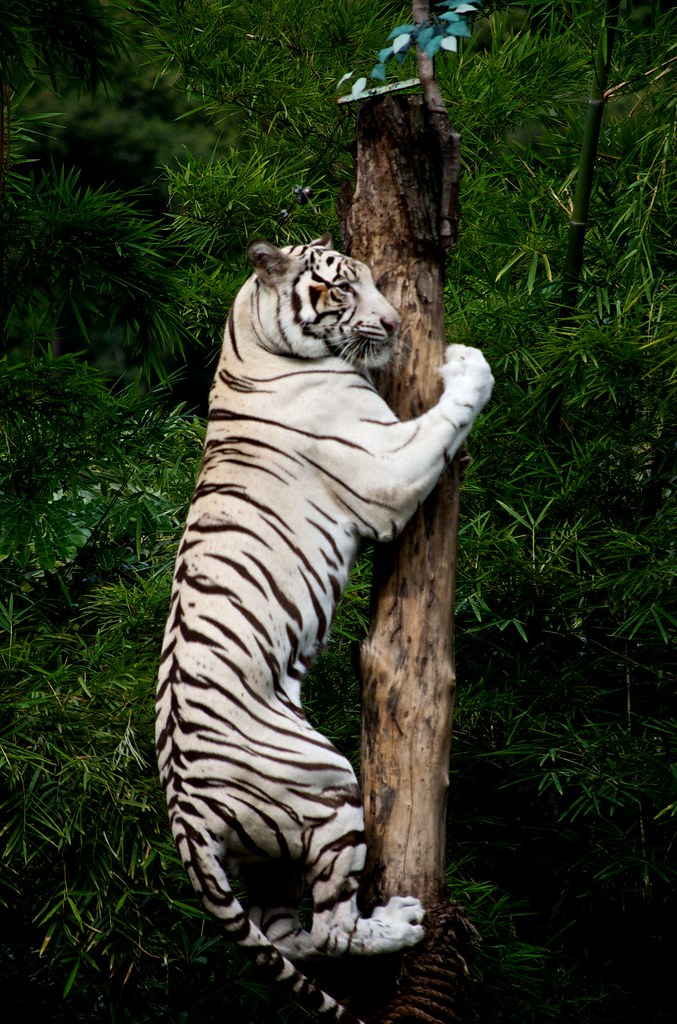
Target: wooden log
<point>407,667</point>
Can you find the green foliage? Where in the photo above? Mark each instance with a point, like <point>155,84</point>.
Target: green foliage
<point>562,806</point>
<point>94,488</point>
<point>82,261</point>
<point>564,759</point>
<point>236,196</point>
<point>121,138</point>
<point>266,73</point>
<point>75,494</point>
<point>83,266</point>
<point>79,43</point>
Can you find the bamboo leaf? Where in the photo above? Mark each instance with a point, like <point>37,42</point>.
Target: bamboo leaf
<point>511,263</point>
<point>531,276</point>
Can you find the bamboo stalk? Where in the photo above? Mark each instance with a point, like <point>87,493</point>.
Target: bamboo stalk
<point>4,151</point>
<point>578,223</point>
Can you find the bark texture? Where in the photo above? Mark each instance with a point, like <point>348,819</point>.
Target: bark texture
<point>392,224</point>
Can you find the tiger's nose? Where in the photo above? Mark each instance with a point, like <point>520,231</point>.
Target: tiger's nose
<point>391,324</point>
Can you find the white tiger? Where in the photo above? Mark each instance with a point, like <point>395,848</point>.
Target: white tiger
<point>302,461</point>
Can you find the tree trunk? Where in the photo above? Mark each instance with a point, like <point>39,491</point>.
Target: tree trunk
<point>392,224</point>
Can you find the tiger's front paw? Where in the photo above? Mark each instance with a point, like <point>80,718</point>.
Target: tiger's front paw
<point>468,382</point>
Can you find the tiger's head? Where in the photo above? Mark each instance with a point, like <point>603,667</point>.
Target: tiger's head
<point>312,301</point>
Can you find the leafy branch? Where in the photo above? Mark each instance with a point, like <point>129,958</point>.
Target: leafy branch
<point>440,30</point>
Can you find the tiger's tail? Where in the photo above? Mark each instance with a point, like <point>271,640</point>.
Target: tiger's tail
<point>211,882</point>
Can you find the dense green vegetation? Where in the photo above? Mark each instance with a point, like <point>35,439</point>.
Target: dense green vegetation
<point>116,275</point>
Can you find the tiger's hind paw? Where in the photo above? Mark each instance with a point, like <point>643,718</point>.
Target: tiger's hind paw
<point>395,926</point>
<point>405,908</point>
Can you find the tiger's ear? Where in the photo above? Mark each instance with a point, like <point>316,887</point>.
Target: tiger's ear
<point>326,242</point>
<point>269,262</point>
